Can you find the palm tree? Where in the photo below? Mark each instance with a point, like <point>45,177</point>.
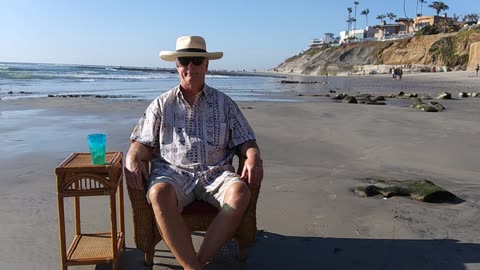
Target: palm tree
<point>416,10</point>
<point>438,6</point>
<point>349,20</point>
<point>391,16</point>
<point>421,6</point>
<point>355,22</point>
<point>365,12</point>
<point>472,17</point>
<point>455,17</point>
<point>381,17</point>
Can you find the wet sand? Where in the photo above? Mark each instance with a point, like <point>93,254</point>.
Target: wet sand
<point>315,151</point>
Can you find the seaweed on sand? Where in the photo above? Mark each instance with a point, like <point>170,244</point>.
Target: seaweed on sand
<point>420,190</point>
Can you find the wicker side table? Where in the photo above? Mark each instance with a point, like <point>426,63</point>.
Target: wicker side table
<point>77,177</point>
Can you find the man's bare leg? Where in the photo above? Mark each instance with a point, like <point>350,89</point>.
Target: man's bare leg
<point>226,222</point>
<point>172,227</point>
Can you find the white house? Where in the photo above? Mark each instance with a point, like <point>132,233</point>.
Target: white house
<point>357,35</point>
<point>327,39</point>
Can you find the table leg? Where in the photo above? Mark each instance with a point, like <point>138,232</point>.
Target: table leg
<point>121,210</point>
<point>76,211</point>
<point>113,223</point>
<point>61,232</point>
<point>76,214</point>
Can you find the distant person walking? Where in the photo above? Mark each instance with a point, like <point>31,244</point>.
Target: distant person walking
<point>476,70</point>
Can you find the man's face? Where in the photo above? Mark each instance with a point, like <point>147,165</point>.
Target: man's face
<point>192,70</point>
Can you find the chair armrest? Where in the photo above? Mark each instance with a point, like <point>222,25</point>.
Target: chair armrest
<point>241,163</point>
<point>146,235</point>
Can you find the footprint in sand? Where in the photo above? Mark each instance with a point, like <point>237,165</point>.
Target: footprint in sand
<point>316,229</point>
<point>283,188</point>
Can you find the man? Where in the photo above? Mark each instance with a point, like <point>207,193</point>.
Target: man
<point>190,134</point>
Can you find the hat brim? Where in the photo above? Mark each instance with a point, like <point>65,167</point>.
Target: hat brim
<point>172,56</point>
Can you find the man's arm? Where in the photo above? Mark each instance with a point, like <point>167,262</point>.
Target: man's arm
<point>253,168</point>
<point>135,169</point>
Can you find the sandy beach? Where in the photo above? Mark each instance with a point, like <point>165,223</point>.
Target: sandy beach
<point>315,152</point>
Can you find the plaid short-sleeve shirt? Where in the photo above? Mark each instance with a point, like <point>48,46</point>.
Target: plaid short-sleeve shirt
<point>193,145</point>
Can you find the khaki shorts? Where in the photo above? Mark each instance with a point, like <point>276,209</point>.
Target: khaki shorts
<point>214,197</point>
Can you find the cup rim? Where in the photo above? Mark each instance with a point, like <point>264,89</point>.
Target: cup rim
<point>97,134</point>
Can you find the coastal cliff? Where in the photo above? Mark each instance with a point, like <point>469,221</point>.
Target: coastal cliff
<point>452,51</point>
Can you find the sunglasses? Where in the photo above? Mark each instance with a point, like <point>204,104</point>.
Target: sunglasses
<point>185,61</point>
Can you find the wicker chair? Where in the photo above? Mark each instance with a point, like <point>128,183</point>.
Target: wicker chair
<point>197,216</point>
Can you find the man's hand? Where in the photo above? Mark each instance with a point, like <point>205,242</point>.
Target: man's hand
<point>135,170</point>
<point>252,172</point>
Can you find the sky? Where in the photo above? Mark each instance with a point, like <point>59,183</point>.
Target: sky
<point>253,34</point>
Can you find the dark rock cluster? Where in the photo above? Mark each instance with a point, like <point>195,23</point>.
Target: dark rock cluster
<point>431,106</point>
<point>88,96</point>
<point>362,99</point>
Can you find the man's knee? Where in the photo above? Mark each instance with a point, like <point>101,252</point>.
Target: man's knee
<point>163,195</point>
<point>237,195</point>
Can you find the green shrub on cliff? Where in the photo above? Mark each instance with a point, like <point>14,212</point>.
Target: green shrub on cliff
<point>438,29</point>
<point>428,30</point>
<point>446,49</point>
<point>312,52</point>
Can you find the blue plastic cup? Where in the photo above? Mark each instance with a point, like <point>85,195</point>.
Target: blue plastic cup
<point>97,144</point>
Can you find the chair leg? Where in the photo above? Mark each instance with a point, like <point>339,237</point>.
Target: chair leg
<point>149,257</point>
<point>242,252</point>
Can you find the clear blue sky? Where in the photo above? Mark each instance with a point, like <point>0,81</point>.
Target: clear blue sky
<point>253,34</point>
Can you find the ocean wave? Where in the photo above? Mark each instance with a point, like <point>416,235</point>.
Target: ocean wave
<point>86,75</point>
<point>216,76</point>
<point>36,71</point>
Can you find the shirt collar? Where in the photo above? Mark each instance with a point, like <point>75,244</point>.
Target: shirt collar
<point>206,90</point>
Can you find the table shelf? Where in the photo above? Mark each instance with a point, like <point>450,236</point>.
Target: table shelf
<point>93,248</point>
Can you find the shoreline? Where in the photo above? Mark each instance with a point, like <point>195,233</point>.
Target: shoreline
<point>407,71</point>
<point>380,84</point>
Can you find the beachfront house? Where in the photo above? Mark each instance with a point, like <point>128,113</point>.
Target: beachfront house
<point>343,37</point>
<point>327,39</point>
<point>386,31</point>
<point>358,35</point>
<point>370,32</point>
<point>406,26</point>
<point>422,21</point>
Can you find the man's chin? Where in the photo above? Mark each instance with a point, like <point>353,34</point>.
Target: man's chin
<point>193,77</point>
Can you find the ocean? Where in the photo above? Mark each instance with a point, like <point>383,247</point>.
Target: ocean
<point>34,80</point>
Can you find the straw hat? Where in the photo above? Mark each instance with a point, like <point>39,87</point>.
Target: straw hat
<point>190,46</point>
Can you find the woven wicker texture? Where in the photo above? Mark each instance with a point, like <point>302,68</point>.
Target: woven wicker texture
<point>77,174</point>
<point>92,246</point>
<point>197,216</point>
<point>82,159</point>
